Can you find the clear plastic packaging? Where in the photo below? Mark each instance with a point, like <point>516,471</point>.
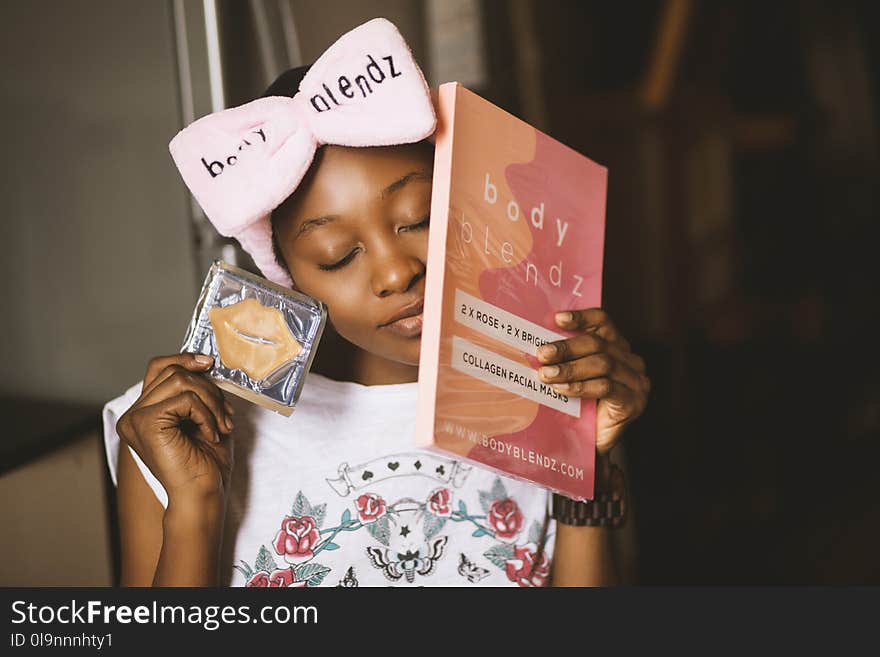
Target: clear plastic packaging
<point>262,336</point>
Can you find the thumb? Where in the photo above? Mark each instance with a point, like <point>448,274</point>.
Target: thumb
<point>196,362</point>
<point>192,362</point>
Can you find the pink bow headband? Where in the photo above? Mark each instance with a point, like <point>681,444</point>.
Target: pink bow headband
<point>243,162</point>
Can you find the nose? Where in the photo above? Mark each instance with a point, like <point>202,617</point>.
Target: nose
<point>396,271</point>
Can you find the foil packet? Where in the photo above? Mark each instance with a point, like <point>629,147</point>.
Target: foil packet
<point>262,336</point>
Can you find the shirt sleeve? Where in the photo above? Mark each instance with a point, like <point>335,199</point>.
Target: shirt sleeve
<point>113,409</point>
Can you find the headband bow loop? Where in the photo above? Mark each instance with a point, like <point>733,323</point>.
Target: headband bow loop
<point>243,162</point>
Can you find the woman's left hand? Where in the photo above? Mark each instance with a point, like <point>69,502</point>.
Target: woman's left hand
<point>598,364</point>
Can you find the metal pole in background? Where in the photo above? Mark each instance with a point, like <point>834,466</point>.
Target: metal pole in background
<point>201,91</point>
<point>215,64</point>
<point>277,39</point>
<point>265,42</point>
<point>291,36</point>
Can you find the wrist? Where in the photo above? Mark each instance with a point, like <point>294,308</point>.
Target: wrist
<point>199,512</point>
<point>192,496</point>
<point>604,470</point>
<point>192,535</point>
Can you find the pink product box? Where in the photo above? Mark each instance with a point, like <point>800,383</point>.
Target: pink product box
<point>517,234</point>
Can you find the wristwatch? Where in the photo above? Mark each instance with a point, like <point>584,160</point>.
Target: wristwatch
<point>606,509</point>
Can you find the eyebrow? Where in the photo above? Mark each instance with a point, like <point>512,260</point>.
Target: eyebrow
<point>421,176</point>
<point>318,221</point>
<point>403,181</point>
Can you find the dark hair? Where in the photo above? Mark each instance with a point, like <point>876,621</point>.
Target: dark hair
<point>286,84</point>
<point>276,249</point>
<point>284,209</point>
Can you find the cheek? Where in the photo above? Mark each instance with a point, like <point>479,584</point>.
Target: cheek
<point>421,245</point>
<point>342,296</point>
<point>347,296</point>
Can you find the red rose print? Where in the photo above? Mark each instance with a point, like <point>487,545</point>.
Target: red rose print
<point>297,538</point>
<point>370,507</point>
<point>505,518</point>
<point>284,579</point>
<point>438,502</point>
<point>524,570</point>
<point>260,579</point>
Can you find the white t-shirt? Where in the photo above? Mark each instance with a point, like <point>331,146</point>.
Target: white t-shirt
<point>336,494</point>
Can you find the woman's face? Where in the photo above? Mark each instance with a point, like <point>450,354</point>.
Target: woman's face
<point>355,236</point>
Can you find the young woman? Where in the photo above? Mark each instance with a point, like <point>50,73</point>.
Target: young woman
<point>215,490</point>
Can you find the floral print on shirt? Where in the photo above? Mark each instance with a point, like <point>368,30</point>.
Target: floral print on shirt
<point>408,540</point>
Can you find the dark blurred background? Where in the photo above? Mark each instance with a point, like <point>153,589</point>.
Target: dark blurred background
<point>744,172</point>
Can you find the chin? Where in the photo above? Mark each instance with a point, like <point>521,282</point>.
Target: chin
<point>410,355</point>
<point>405,351</point>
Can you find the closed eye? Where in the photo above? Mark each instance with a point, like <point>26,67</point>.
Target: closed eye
<point>422,224</point>
<point>341,263</point>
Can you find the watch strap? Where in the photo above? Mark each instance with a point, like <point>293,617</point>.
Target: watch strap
<point>606,509</point>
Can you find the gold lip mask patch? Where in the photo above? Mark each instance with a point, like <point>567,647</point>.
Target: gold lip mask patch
<point>253,338</point>
<point>262,336</point>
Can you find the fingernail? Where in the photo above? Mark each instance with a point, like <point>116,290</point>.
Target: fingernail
<point>202,359</point>
<point>563,317</point>
<point>216,437</point>
<point>560,386</point>
<point>229,424</point>
<point>547,351</point>
<point>552,370</point>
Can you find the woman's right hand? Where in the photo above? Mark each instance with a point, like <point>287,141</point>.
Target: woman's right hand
<point>180,428</point>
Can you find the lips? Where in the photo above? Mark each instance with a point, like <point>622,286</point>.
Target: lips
<point>253,338</point>
<point>408,327</point>
<point>410,310</point>
<point>406,322</point>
